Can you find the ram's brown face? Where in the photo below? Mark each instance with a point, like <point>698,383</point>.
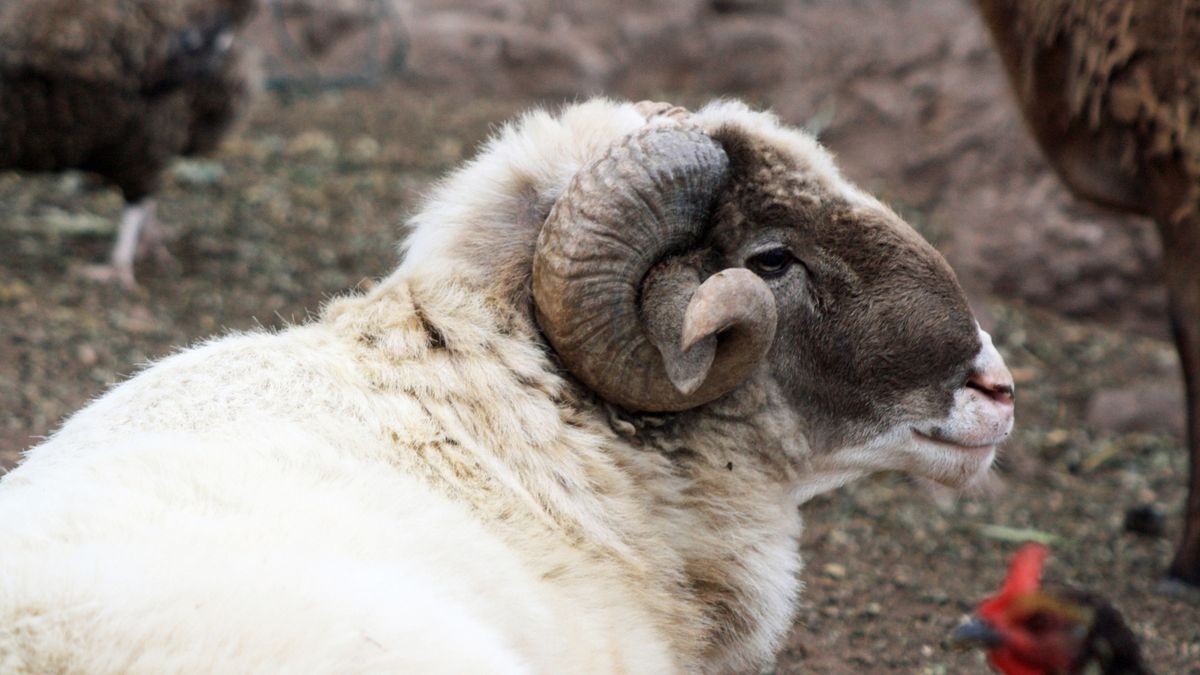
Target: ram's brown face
<point>874,335</point>
<point>668,293</point>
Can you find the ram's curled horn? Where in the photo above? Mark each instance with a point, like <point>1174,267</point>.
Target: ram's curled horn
<point>615,288</point>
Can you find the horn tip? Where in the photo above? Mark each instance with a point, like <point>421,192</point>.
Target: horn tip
<point>688,385</point>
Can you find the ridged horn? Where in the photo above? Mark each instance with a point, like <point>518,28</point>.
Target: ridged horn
<point>647,198</point>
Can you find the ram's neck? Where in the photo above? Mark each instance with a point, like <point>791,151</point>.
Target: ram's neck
<point>723,480</point>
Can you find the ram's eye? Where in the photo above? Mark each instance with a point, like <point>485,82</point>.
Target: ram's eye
<point>771,263</point>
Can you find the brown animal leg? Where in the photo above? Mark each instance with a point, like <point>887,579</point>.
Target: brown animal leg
<point>1181,257</point>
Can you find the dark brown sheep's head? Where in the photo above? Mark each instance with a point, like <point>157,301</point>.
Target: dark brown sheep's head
<point>688,261</point>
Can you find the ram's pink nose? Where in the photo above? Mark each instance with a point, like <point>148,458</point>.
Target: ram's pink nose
<point>989,375</point>
<point>996,385</point>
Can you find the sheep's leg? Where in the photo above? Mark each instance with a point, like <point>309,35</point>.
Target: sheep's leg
<point>1181,258</point>
<point>153,239</point>
<point>139,228</point>
<point>133,223</point>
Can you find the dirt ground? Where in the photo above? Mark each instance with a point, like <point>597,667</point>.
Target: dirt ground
<point>308,201</point>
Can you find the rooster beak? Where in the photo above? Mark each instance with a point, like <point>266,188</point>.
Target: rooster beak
<point>976,633</point>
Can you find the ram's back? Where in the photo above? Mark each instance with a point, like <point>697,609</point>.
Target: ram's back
<point>256,564</point>
<point>265,503</point>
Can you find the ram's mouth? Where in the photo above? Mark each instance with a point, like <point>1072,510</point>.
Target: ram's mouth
<point>938,438</point>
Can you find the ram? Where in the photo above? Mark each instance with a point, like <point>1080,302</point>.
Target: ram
<point>569,434</point>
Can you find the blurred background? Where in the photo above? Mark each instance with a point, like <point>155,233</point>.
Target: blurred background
<point>367,102</point>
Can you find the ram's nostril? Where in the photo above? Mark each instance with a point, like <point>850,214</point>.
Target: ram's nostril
<point>998,389</point>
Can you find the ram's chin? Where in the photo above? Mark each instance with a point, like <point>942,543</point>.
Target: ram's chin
<point>902,449</point>
<point>958,467</point>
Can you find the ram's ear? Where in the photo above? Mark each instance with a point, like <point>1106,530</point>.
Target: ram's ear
<point>684,317</point>
<point>666,294</point>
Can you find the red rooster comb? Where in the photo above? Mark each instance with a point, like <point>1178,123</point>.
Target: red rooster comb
<point>1024,576</point>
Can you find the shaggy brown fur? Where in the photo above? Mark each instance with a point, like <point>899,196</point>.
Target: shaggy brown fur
<point>118,87</point>
<point>1111,90</point>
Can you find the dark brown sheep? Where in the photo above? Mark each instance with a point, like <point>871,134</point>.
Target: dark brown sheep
<point>119,88</point>
<point>1111,91</point>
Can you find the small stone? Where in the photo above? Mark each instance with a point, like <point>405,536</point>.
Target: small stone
<point>364,149</point>
<point>874,609</point>
<point>316,144</point>
<point>199,173</point>
<point>839,538</point>
<point>269,145</point>
<point>75,224</point>
<point>87,355</point>
<point>834,571</point>
<point>1057,436</point>
<point>449,149</point>
<point>72,183</point>
<point>1145,520</point>
<point>12,292</point>
<point>138,320</point>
